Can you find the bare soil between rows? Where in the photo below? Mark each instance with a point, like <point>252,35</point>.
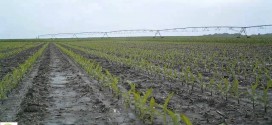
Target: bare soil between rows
<point>58,91</point>
<point>201,108</point>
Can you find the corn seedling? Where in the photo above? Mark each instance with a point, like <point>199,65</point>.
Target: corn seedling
<point>165,106</point>
<point>143,101</point>
<point>226,88</point>
<point>186,75</point>
<point>137,100</point>
<point>235,90</point>
<point>152,104</point>
<point>252,93</point>
<point>114,86</point>
<point>192,81</point>
<point>202,83</point>
<point>220,87</point>
<point>210,86</point>
<point>127,94</point>
<point>265,97</point>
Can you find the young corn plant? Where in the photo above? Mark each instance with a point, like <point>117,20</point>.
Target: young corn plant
<point>267,74</point>
<point>186,75</point>
<point>235,90</point>
<point>143,102</point>
<point>108,77</point>
<point>211,86</point>
<point>140,104</point>
<point>265,96</point>
<point>137,99</point>
<point>114,86</point>
<point>192,81</point>
<point>126,95</point>
<point>202,83</point>
<point>220,88</point>
<point>152,105</point>
<point>253,93</point>
<point>175,74</point>
<point>226,88</point>
<point>165,106</point>
<point>2,94</point>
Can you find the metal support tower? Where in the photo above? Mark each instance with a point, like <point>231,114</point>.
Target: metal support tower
<point>105,35</point>
<point>243,31</point>
<point>158,33</point>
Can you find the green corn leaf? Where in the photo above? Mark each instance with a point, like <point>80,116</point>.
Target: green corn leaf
<point>136,96</point>
<point>132,87</point>
<point>146,95</point>
<point>269,84</point>
<point>211,83</point>
<point>235,88</point>
<point>152,108</point>
<point>152,103</point>
<point>255,86</point>
<point>174,117</point>
<point>185,119</point>
<point>167,101</point>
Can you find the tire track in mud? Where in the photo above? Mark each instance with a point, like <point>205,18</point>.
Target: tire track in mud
<point>63,94</point>
<point>202,108</point>
<point>34,104</point>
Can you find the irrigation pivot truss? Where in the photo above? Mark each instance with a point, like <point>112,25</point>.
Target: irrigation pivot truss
<point>158,33</point>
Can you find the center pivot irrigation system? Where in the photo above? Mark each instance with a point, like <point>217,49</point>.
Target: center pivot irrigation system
<point>240,31</point>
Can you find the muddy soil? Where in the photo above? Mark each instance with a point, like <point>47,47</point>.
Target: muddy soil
<point>8,64</point>
<point>200,107</point>
<point>61,93</point>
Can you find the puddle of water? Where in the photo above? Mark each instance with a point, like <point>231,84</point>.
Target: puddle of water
<point>58,80</point>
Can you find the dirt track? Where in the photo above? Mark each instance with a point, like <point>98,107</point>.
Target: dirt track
<point>59,92</point>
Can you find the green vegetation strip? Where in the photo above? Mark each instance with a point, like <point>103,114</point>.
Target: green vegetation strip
<point>12,79</point>
<point>142,105</point>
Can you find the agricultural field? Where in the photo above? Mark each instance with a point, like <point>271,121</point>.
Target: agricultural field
<point>173,81</point>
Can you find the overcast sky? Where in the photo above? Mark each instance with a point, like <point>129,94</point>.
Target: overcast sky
<point>29,18</point>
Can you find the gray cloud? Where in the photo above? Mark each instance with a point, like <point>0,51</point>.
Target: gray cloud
<point>28,18</point>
